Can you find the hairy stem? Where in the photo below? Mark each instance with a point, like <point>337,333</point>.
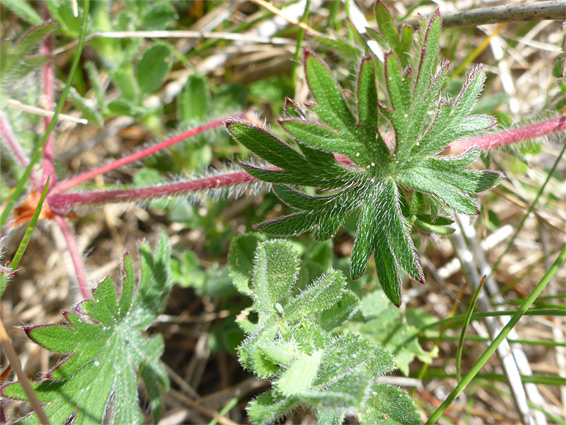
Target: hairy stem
<point>508,137</point>
<point>48,77</point>
<point>62,203</point>
<point>75,256</point>
<point>67,184</point>
<point>11,142</point>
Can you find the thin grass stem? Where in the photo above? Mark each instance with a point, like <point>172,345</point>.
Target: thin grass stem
<point>465,326</point>
<point>25,240</point>
<point>500,337</point>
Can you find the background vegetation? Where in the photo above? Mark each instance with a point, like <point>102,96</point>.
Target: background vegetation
<point>213,60</point>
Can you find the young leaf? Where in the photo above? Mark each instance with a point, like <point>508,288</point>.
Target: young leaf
<point>194,99</point>
<point>275,272</point>
<point>106,350</point>
<point>376,180</point>
<point>389,405</point>
<point>153,67</point>
<point>241,258</point>
<point>311,364</point>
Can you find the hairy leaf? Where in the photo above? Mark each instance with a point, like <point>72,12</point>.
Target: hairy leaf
<point>106,350</point>
<point>293,344</point>
<point>383,183</point>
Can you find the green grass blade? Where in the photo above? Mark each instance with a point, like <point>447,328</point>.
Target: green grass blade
<point>25,240</point>
<point>39,148</point>
<point>464,327</point>
<point>475,338</point>
<point>500,337</point>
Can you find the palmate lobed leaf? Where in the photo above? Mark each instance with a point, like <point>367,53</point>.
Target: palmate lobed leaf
<point>386,182</point>
<point>107,349</point>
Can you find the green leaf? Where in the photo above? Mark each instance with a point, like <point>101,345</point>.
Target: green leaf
<point>329,417</point>
<point>23,10</point>
<point>89,112</point>
<point>470,93</point>
<point>426,181</point>
<point>322,294</point>
<point>265,145</point>
<point>318,136</point>
<point>300,375</point>
<point>153,67</point>
<point>344,309</point>
<point>103,330</point>
<point>310,365</point>
<point>371,181</point>
<point>393,329</point>
<point>16,63</point>
<point>241,258</point>
<point>429,55</point>
<point>440,226</point>
<point>194,99</point>
<point>368,112</point>
<point>275,272</point>
<point>404,47</point>
<point>386,25</point>
<point>95,84</point>
<point>127,83</point>
<point>389,405</point>
<point>159,17</point>
<point>62,12</point>
<point>268,407</point>
<point>331,106</point>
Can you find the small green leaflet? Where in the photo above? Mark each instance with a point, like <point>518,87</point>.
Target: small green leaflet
<point>107,350</point>
<point>390,185</point>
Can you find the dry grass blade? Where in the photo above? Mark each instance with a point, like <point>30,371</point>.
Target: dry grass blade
<point>22,378</point>
<point>289,19</point>
<point>494,326</point>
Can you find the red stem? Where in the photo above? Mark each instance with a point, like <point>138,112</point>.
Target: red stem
<point>508,137</point>
<point>8,135</point>
<point>75,256</point>
<point>15,147</point>
<point>61,203</point>
<point>48,158</point>
<point>67,184</point>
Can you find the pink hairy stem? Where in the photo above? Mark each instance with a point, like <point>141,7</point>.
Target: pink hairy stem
<point>62,203</point>
<point>48,92</point>
<point>508,137</point>
<point>13,145</point>
<point>67,184</point>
